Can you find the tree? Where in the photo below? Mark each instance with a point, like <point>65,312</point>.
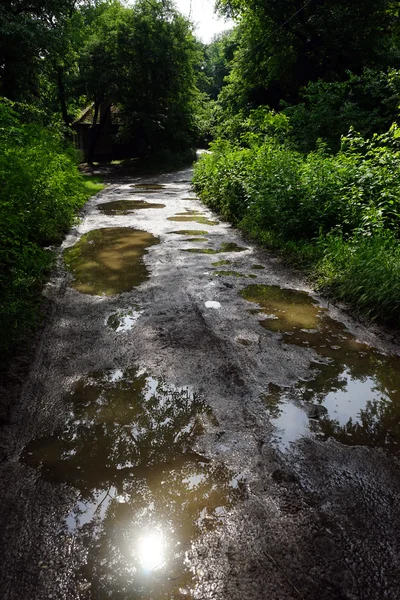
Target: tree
<point>285,44</point>
<point>143,59</point>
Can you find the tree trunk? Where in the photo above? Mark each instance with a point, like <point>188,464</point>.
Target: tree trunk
<point>94,133</point>
<point>62,97</point>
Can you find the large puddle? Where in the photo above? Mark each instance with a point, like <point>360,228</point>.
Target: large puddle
<point>124,207</point>
<point>354,395</point>
<point>109,261</point>
<point>144,495</point>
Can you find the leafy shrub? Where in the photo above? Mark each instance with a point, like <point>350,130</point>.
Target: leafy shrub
<point>368,102</point>
<point>40,191</point>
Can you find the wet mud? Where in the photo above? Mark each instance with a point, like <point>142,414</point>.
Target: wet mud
<point>184,434</point>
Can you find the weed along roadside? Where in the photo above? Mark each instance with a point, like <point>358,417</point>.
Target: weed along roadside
<point>184,416</point>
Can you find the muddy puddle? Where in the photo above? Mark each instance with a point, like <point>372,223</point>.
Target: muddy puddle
<point>354,394</point>
<point>190,232</point>
<point>225,247</point>
<point>143,495</point>
<point>190,213</point>
<point>195,240</point>
<point>109,261</point>
<point>220,263</point>
<point>195,219</point>
<point>123,207</point>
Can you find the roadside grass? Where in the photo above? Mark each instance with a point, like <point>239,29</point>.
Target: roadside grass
<point>41,191</point>
<point>93,184</point>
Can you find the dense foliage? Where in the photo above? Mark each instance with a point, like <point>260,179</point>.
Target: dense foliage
<point>305,155</point>
<point>41,190</point>
<point>144,60</point>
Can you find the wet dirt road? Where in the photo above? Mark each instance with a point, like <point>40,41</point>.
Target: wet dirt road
<point>196,424</point>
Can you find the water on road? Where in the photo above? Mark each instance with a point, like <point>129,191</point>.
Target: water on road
<point>187,433</point>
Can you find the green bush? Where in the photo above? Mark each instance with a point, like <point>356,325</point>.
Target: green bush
<point>316,205</point>
<point>368,102</point>
<point>40,192</point>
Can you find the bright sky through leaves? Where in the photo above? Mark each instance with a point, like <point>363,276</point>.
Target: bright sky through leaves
<point>202,14</point>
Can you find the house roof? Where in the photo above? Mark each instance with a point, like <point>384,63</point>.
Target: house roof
<point>87,115</point>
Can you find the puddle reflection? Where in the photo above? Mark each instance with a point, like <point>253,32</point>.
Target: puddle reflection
<point>124,320</point>
<point>123,207</point>
<point>109,261</point>
<point>144,495</point>
<point>354,395</point>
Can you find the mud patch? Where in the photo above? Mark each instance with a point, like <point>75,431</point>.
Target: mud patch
<point>109,261</point>
<point>124,207</point>
<point>195,240</point>
<point>199,219</point>
<point>144,496</point>
<point>354,395</point>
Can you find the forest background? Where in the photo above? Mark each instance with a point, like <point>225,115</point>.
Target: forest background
<point>299,104</point>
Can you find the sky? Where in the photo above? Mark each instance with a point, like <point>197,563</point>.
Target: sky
<point>201,12</point>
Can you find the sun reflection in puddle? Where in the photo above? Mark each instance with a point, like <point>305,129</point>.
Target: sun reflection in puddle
<point>151,551</point>
<point>144,495</point>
